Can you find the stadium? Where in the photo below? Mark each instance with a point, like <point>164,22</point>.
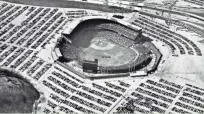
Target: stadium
<point>117,48</point>
<point>102,56</point>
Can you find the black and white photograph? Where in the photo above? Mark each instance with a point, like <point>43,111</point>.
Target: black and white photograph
<point>102,56</point>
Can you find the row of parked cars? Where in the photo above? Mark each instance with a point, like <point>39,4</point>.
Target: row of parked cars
<point>165,33</point>
<point>61,84</point>
<point>188,107</point>
<point>66,79</point>
<point>55,89</point>
<point>118,88</point>
<point>42,71</point>
<point>105,89</point>
<point>155,89</point>
<point>88,104</point>
<point>92,98</point>
<point>14,56</point>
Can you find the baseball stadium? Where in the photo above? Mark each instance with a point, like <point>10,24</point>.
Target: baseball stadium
<point>102,56</point>
<point>117,48</point>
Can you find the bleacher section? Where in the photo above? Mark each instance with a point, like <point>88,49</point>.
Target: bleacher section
<point>156,54</point>
<point>126,32</point>
<point>69,51</point>
<point>116,38</point>
<point>137,64</point>
<point>106,30</point>
<point>68,92</point>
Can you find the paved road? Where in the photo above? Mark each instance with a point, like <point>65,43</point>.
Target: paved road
<point>70,4</point>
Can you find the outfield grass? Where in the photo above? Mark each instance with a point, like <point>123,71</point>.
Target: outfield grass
<point>115,56</point>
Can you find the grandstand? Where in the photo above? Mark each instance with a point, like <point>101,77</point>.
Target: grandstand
<point>144,64</point>
<point>111,43</point>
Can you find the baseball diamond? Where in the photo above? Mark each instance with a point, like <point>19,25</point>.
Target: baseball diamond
<point>102,56</point>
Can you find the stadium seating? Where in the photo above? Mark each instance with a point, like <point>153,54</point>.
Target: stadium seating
<point>70,52</point>
<point>116,38</point>
<point>21,42</point>
<point>128,33</point>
